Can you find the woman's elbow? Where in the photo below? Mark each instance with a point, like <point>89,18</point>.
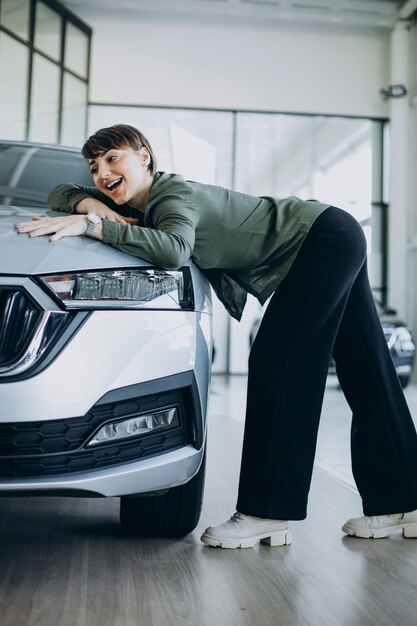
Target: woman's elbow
<point>56,195</point>
<point>175,259</point>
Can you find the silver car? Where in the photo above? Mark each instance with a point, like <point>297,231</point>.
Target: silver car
<point>104,362</point>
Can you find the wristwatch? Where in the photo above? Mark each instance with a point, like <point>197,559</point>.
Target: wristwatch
<point>93,220</point>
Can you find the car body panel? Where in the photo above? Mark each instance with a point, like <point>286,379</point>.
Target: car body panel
<point>116,350</point>
<point>112,349</point>
<point>148,475</point>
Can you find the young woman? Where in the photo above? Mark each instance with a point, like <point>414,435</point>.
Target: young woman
<point>311,258</point>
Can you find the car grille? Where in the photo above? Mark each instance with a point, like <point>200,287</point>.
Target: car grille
<point>19,317</point>
<point>58,446</point>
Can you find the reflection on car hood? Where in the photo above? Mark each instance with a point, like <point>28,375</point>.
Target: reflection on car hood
<point>20,254</point>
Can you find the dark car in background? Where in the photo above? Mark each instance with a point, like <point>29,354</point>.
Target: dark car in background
<point>400,342</point>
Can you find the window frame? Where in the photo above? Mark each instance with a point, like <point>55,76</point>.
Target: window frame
<point>67,17</point>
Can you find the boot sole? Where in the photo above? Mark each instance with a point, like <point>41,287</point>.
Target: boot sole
<point>409,531</point>
<point>282,538</point>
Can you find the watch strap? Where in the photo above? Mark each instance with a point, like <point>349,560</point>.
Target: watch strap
<point>90,229</point>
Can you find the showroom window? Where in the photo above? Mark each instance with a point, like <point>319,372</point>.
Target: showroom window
<point>334,159</point>
<point>44,61</point>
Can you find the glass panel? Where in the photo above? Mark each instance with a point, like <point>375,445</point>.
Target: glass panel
<point>196,144</point>
<point>76,50</point>
<point>283,155</point>
<point>14,61</point>
<point>48,31</point>
<point>44,102</point>
<point>74,111</point>
<point>14,15</point>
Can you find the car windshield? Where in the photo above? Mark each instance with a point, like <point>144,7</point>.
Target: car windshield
<point>29,172</point>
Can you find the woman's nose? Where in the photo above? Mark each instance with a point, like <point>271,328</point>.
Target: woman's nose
<point>104,171</point>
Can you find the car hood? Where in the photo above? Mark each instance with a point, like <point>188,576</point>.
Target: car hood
<point>20,254</point>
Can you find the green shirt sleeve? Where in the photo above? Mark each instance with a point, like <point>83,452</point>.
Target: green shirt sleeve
<point>65,197</point>
<point>169,243</point>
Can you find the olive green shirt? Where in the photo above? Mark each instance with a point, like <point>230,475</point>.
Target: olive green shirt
<point>242,243</point>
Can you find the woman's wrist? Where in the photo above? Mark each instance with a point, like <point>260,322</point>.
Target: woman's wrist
<point>98,232</point>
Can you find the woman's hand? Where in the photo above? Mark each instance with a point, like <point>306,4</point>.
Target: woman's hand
<point>57,227</point>
<point>68,226</point>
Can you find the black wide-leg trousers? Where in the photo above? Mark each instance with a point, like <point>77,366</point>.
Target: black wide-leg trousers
<point>324,307</point>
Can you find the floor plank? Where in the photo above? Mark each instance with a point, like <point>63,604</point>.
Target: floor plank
<point>66,562</point>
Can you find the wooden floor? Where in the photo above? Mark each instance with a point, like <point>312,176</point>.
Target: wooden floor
<point>65,561</point>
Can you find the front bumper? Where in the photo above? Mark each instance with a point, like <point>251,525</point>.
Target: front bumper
<point>53,456</point>
<point>146,476</point>
<point>152,358</point>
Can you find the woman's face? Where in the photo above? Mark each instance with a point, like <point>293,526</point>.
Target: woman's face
<point>122,174</point>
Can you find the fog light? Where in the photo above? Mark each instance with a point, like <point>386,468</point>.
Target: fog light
<point>135,426</point>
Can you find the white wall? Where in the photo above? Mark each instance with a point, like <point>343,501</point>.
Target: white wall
<point>280,67</point>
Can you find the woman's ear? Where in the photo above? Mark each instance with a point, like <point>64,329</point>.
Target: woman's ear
<point>145,157</point>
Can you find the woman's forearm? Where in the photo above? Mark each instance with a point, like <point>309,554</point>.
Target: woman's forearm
<point>89,205</point>
<point>68,197</point>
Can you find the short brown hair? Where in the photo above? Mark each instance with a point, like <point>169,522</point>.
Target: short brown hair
<point>117,136</point>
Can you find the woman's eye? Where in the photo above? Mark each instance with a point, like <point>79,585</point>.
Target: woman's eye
<point>112,157</point>
<point>93,171</point>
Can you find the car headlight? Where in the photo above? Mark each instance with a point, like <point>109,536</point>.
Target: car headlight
<point>141,288</point>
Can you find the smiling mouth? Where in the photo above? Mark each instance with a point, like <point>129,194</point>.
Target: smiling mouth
<point>115,183</point>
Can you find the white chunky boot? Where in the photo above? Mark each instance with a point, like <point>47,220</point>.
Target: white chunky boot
<point>244,531</point>
<point>379,526</point>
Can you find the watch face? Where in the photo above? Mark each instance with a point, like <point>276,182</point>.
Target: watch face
<point>93,218</point>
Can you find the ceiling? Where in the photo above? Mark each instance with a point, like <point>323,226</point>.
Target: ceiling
<point>376,13</point>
